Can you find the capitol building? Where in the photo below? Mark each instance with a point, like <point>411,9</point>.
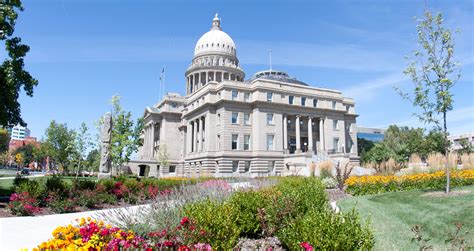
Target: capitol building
<point>228,124</point>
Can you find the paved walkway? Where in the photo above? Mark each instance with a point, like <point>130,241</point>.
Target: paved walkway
<point>29,176</point>
<point>28,232</point>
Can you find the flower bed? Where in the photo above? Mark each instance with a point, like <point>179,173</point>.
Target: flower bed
<point>361,185</point>
<point>294,213</point>
<point>55,195</point>
<point>90,234</point>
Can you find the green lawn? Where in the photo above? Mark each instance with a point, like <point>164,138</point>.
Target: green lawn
<point>393,214</point>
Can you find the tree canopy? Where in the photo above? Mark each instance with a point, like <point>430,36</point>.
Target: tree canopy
<point>59,143</point>
<point>13,76</point>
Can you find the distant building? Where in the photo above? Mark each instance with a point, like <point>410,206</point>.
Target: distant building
<point>456,139</point>
<point>16,143</point>
<point>370,134</point>
<point>18,132</point>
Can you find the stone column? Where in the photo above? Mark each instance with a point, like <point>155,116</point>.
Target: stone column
<point>298,143</point>
<point>145,142</point>
<point>195,136</point>
<point>321,134</point>
<point>310,135</point>
<point>285,133</point>
<point>188,137</point>
<point>201,134</point>
<point>152,140</point>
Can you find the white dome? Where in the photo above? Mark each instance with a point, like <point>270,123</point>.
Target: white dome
<point>215,40</point>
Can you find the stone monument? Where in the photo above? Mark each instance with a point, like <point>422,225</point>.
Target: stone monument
<point>105,167</point>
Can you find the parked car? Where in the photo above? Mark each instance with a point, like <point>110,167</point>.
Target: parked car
<point>25,171</point>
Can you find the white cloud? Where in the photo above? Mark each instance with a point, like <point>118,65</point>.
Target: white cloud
<point>367,90</point>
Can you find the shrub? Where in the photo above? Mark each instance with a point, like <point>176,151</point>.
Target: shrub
<point>87,198</point>
<point>106,198</point>
<point>308,193</point>
<point>34,188</point>
<point>248,203</point>
<point>84,184</point>
<point>59,205</point>
<point>329,183</point>
<point>18,180</point>
<point>57,185</point>
<point>326,230</point>
<point>107,184</point>
<point>23,204</point>
<point>218,221</point>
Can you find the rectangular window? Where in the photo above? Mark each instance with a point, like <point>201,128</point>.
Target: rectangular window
<point>333,104</point>
<point>235,166</point>
<point>247,166</point>
<point>235,94</point>
<point>334,125</point>
<point>218,145</point>
<point>269,96</point>
<point>172,169</point>
<point>246,118</point>
<point>246,142</point>
<point>303,101</point>
<point>270,119</point>
<point>235,139</point>
<point>247,97</point>
<point>218,119</point>
<point>347,108</point>
<point>315,103</point>
<point>335,144</point>
<point>291,99</point>
<point>271,165</point>
<point>235,117</point>
<point>270,145</point>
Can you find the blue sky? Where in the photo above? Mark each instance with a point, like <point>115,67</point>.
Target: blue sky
<point>83,52</point>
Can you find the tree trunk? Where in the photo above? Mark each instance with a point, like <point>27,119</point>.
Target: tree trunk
<point>446,153</point>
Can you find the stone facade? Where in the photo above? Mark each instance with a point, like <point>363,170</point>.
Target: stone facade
<point>271,124</point>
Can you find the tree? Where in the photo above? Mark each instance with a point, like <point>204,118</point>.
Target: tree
<point>58,142</point>
<point>125,133</point>
<point>364,146</point>
<point>434,72</point>
<point>27,154</point>
<point>13,77</point>
<point>466,146</point>
<point>163,158</point>
<point>4,140</point>
<point>93,160</point>
<point>82,141</point>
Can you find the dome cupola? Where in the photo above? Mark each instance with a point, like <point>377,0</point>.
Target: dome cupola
<point>215,59</point>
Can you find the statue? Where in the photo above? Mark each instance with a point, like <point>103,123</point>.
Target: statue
<point>105,139</point>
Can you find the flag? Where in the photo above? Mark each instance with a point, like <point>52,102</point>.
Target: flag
<point>162,73</point>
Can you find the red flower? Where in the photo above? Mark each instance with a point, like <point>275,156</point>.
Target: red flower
<point>184,221</point>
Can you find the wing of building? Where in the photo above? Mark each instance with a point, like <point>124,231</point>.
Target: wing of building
<point>270,124</point>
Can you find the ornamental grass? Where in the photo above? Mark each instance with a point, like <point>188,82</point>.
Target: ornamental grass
<point>374,184</point>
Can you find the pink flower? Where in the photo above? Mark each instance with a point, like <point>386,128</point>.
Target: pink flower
<point>306,246</point>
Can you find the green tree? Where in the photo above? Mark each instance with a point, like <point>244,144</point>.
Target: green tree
<point>58,143</point>
<point>364,146</point>
<point>13,76</point>
<point>434,72</point>
<point>82,142</point>
<point>4,140</point>
<point>27,153</point>
<point>125,133</point>
<point>93,160</point>
<point>466,146</point>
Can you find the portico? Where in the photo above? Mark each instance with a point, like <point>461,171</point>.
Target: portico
<point>302,134</point>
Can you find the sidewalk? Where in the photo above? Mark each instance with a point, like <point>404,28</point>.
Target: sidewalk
<point>28,232</point>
